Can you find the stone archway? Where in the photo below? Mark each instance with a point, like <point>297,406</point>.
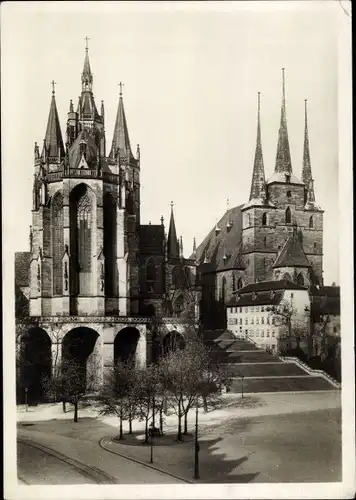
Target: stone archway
<point>125,344</point>
<point>80,346</point>
<point>173,341</point>
<point>35,364</point>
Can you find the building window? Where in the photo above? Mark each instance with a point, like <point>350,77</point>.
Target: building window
<point>262,321</point>
<point>300,279</point>
<point>257,333</point>
<point>335,329</point>
<point>273,321</point>
<point>264,219</point>
<point>257,321</point>
<point>265,242</point>
<point>246,332</point>
<point>151,274</point>
<point>314,246</point>
<point>267,333</point>
<point>288,216</point>
<point>292,295</point>
<point>246,321</point>
<point>287,178</point>
<point>289,194</point>
<point>252,309</point>
<point>262,309</point>
<point>240,309</point>
<point>262,333</point>
<point>252,321</point>
<point>110,244</point>
<point>267,320</point>
<point>240,321</point>
<point>273,333</point>
<point>311,222</point>
<point>57,243</point>
<point>233,282</point>
<point>246,309</point>
<point>251,333</point>
<point>257,309</point>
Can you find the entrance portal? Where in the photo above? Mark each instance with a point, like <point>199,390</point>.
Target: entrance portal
<point>125,344</point>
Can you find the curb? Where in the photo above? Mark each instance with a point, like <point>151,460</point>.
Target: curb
<point>101,444</point>
<point>87,470</point>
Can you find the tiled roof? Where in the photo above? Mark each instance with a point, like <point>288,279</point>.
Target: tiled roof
<point>292,254</point>
<point>261,299</point>
<point>271,285</point>
<point>22,268</point>
<point>227,242</point>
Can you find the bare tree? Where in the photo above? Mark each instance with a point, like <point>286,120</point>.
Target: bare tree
<point>147,388</point>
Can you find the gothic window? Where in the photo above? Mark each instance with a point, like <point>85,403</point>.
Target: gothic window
<point>239,283</point>
<point>151,274</point>
<point>265,242</point>
<point>57,243</point>
<point>110,244</point>
<point>248,220</point>
<point>314,246</point>
<point>311,222</point>
<point>288,216</point>
<point>178,306</point>
<point>264,219</point>
<point>233,282</point>
<point>223,290</point>
<point>289,194</point>
<point>81,239</point>
<point>287,276</point>
<point>300,279</point>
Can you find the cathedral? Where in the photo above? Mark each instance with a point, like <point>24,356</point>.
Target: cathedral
<point>276,235</point>
<point>94,276</point>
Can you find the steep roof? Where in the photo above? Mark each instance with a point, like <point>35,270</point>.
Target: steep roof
<point>53,138</point>
<point>172,240</point>
<point>269,286</point>
<point>261,299</point>
<point>227,242</point>
<point>258,189</point>
<point>292,254</point>
<point>121,140</point>
<point>283,158</point>
<point>91,150</point>
<point>22,268</point>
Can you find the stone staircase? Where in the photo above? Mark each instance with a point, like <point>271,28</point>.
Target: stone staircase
<point>261,371</point>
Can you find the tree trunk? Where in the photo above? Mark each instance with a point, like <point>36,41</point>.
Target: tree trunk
<point>130,422</point>
<point>179,435</point>
<point>205,404</point>
<point>76,411</point>
<point>161,419</point>
<point>121,435</point>
<point>153,412</point>
<point>146,430</point>
<point>186,422</point>
<point>64,406</point>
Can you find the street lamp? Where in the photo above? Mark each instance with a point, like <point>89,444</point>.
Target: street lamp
<point>26,399</point>
<point>197,448</point>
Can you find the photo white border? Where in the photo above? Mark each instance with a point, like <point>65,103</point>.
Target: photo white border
<point>344,489</point>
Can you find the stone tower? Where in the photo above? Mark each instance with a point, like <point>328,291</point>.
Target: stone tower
<point>280,208</point>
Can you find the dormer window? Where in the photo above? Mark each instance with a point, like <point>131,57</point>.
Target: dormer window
<point>289,194</point>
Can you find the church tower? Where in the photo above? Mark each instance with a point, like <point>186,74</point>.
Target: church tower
<point>86,214</point>
<point>281,210</point>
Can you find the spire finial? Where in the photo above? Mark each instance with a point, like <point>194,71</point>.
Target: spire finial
<point>172,205</point>
<point>53,86</point>
<point>121,85</point>
<point>284,84</point>
<point>259,104</point>
<point>86,43</point>
<point>194,245</point>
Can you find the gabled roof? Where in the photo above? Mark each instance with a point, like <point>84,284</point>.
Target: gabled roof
<point>53,138</point>
<point>325,300</point>
<point>91,150</point>
<point>292,254</point>
<point>227,242</point>
<point>22,268</point>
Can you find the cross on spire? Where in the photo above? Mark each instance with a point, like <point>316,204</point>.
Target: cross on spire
<point>86,43</point>
<point>53,88</point>
<point>121,85</point>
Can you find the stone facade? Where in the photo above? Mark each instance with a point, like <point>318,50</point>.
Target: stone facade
<point>91,262</point>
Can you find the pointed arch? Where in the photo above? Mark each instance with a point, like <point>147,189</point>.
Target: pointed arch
<point>81,238</point>
<point>110,244</point>
<point>287,276</point>
<point>300,279</point>
<point>240,283</point>
<point>265,242</point>
<point>223,289</point>
<point>57,242</point>
<point>311,222</point>
<point>288,216</point>
<point>264,219</point>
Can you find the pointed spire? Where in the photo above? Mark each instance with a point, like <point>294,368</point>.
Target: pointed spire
<point>194,246</point>
<point>87,77</point>
<point>71,108</point>
<point>306,170</point>
<point>121,140</point>
<point>172,247</point>
<point>102,110</point>
<point>258,175</point>
<point>283,158</point>
<point>53,142</point>
<point>181,247</point>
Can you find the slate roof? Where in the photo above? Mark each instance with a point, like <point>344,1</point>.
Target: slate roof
<point>261,299</point>
<point>22,268</point>
<point>227,242</point>
<point>292,254</point>
<point>121,138</point>
<point>172,240</point>
<point>283,158</point>
<point>53,137</point>
<point>271,285</point>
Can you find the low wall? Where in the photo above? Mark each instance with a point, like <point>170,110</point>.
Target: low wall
<point>315,373</point>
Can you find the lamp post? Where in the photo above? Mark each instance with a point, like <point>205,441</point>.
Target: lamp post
<point>197,448</point>
<point>26,403</point>
<point>242,386</point>
<point>151,457</point>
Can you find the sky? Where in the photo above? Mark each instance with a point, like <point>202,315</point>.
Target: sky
<point>191,74</point>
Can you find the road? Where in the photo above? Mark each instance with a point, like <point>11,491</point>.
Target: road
<point>48,459</point>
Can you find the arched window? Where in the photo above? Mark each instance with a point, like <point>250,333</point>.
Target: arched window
<point>300,279</point>
<point>81,240</point>
<point>233,282</point>
<point>110,244</point>
<point>288,216</point>
<point>265,242</point>
<point>240,283</point>
<point>178,306</point>
<point>315,246</point>
<point>264,219</point>
<point>151,274</point>
<point>311,222</point>
<point>287,276</point>
<point>223,290</point>
<point>248,220</point>
<point>57,243</point>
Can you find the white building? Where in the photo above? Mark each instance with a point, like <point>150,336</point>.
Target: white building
<point>262,312</point>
